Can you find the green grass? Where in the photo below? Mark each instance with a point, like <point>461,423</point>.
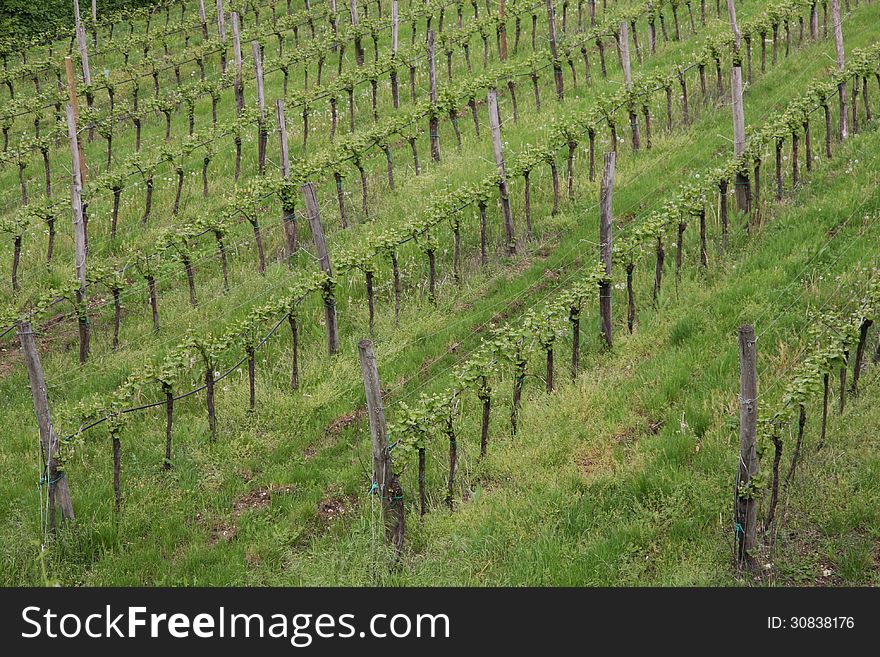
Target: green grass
<point>621,477</point>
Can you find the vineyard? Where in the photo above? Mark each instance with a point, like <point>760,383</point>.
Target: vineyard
<point>442,292</point>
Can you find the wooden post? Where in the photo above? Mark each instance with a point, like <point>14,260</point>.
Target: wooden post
<point>82,44</point>
<point>502,27</point>
<point>623,42</point>
<point>838,47</point>
<point>557,67</point>
<point>221,20</point>
<point>384,480</point>
<point>395,26</point>
<point>433,121</point>
<point>59,491</point>
<point>308,190</point>
<point>814,20</point>
<point>395,30</point>
<point>355,21</point>
<point>221,29</point>
<point>495,129</point>
<point>627,78</point>
<point>203,18</point>
<point>746,504</point>
<point>605,243</point>
<point>79,231</point>
<point>80,236</point>
<point>741,181</point>
<point>288,214</point>
<point>236,50</point>
<point>333,24</point>
<point>262,134</point>
<point>74,101</point>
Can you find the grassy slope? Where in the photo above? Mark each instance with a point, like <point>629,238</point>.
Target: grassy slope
<point>288,537</point>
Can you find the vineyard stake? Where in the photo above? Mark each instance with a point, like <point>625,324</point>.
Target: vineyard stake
<point>814,20</point>
<point>236,50</point>
<point>59,491</point>
<point>434,122</point>
<point>502,29</point>
<point>746,504</point>
<point>395,28</point>
<point>495,129</point>
<point>79,234</point>
<point>384,479</point>
<point>623,40</point>
<point>74,101</point>
<point>358,47</point>
<point>333,23</point>
<point>308,190</point>
<point>557,68</point>
<point>605,244</point>
<point>261,102</point>
<point>84,57</point>
<point>839,51</point>
<point>741,180</point>
<point>203,19</point>
<point>288,213</point>
<point>238,88</point>
<point>221,29</point>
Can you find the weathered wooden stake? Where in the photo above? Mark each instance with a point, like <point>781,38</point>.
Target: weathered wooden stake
<point>288,211</point>
<point>74,102</point>
<point>385,481</point>
<point>502,30</point>
<point>221,29</point>
<point>82,44</point>
<point>308,190</point>
<point>605,244</point>
<point>623,41</point>
<point>203,19</point>
<point>59,491</point>
<point>262,133</point>
<point>434,120</point>
<point>358,47</point>
<point>557,67</point>
<point>746,504</point>
<point>741,180</point>
<point>239,79</point>
<point>497,148</point>
<point>395,28</point>
<point>79,235</point>
<point>843,130</point>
